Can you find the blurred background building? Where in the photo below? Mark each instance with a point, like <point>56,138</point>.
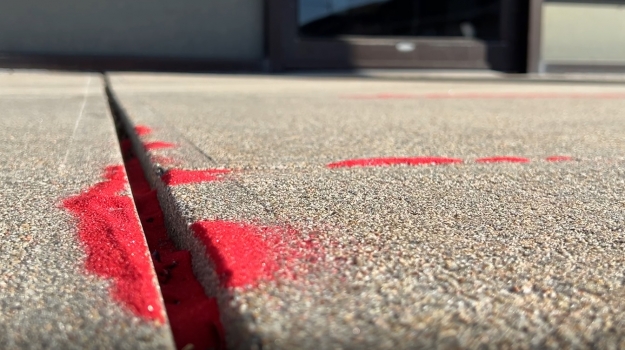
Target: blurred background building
<point>276,35</point>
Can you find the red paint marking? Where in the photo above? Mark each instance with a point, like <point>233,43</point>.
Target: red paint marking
<point>114,243</point>
<point>142,130</point>
<point>558,158</point>
<point>180,176</point>
<point>487,95</point>
<point>194,317</point>
<point>502,160</point>
<point>126,148</point>
<point>244,254</point>
<point>392,161</point>
<point>158,145</point>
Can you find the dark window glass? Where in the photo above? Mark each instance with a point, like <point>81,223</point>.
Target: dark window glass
<point>433,18</point>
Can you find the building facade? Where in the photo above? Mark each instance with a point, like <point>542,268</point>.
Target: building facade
<point>278,35</point>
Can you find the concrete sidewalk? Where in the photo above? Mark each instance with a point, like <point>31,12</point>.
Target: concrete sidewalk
<point>62,284</point>
<point>514,239</point>
<point>321,212</point>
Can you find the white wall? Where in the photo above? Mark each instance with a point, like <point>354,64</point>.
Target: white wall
<point>207,29</point>
<point>583,33</point>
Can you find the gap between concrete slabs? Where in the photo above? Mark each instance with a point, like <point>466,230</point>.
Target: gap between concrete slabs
<point>236,325</point>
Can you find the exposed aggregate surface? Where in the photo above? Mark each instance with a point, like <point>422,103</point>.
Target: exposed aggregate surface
<point>57,137</point>
<point>450,256</point>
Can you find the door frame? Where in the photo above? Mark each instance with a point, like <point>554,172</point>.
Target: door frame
<point>534,36</point>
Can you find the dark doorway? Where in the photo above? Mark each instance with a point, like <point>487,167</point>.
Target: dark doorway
<point>339,34</point>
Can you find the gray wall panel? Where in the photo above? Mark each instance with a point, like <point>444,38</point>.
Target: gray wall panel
<point>203,29</point>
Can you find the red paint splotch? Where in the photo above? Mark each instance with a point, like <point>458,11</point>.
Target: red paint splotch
<point>364,162</point>
<point>559,158</point>
<point>158,145</point>
<point>244,254</point>
<point>194,317</point>
<point>180,176</point>
<point>114,243</point>
<point>142,130</point>
<point>505,159</point>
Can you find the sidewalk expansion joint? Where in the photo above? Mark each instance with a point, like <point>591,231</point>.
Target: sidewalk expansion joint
<point>193,316</point>
<point>220,266</point>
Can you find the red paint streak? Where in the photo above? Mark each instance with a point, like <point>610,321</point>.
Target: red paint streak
<point>487,95</point>
<point>194,317</point>
<point>126,147</point>
<point>114,244</point>
<point>392,161</point>
<point>244,254</point>
<point>558,158</point>
<point>180,176</point>
<point>502,160</point>
<point>158,145</point>
<point>142,130</point>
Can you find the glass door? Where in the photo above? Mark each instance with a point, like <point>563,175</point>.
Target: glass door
<point>486,34</point>
<point>400,18</point>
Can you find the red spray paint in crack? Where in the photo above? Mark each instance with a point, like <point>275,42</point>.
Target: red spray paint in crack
<point>194,317</point>
<point>180,176</point>
<point>244,254</point>
<point>158,145</point>
<point>126,147</point>
<point>142,130</point>
<point>559,159</point>
<point>364,162</point>
<point>114,243</point>
<point>504,159</point>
